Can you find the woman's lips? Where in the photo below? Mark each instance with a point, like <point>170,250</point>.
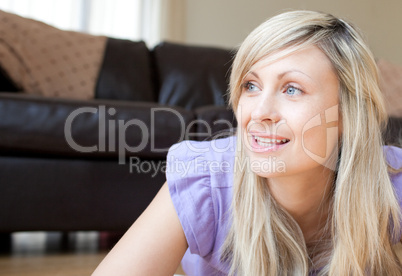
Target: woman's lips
<point>267,143</point>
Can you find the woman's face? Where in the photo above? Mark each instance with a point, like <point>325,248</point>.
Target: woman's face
<point>288,114</point>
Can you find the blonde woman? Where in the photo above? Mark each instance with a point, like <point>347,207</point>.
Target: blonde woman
<point>303,189</point>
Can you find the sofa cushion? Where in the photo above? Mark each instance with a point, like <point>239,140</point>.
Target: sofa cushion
<point>191,76</point>
<point>47,61</point>
<point>39,126</point>
<point>214,122</point>
<point>126,72</point>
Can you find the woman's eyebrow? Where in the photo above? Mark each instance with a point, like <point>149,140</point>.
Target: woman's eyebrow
<point>254,74</point>
<point>281,75</point>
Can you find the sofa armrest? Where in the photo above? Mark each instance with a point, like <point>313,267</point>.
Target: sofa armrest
<point>32,125</point>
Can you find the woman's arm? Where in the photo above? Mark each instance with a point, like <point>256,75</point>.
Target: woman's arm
<point>154,244</point>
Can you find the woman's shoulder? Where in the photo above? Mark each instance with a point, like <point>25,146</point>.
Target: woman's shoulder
<point>190,149</point>
<point>394,156</point>
<point>202,159</point>
<point>200,179</point>
<point>394,159</point>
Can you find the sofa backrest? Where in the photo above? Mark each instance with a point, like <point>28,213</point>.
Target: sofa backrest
<point>170,74</point>
<point>192,76</point>
<point>126,72</point>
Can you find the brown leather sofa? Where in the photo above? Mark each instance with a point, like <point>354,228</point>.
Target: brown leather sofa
<point>96,164</point>
<point>59,158</point>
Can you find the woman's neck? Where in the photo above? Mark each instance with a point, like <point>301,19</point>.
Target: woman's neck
<point>306,198</point>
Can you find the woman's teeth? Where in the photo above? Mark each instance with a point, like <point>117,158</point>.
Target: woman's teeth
<point>269,142</point>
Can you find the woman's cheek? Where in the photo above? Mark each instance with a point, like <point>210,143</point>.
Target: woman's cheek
<point>320,136</point>
<point>315,141</point>
<point>243,114</point>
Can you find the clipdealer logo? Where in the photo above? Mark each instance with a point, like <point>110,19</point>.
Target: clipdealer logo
<point>110,141</point>
<point>327,120</point>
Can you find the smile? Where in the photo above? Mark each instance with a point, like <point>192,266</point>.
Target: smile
<point>267,144</point>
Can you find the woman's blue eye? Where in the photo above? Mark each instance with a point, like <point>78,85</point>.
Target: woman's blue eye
<point>293,91</point>
<point>250,86</point>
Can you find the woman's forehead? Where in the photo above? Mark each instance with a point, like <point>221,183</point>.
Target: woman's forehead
<point>306,59</point>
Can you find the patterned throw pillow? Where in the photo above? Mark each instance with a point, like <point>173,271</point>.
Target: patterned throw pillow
<point>391,85</point>
<point>47,61</point>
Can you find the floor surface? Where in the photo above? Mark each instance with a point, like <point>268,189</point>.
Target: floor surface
<point>56,254</point>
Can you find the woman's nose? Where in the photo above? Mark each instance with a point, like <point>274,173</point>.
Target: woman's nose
<point>266,109</point>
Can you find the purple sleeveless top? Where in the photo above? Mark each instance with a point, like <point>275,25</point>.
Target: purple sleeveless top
<point>200,178</point>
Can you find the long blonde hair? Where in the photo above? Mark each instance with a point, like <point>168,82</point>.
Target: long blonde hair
<point>364,218</point>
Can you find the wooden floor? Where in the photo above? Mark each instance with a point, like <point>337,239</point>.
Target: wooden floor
<point>50,265</point>
<point>56,254</point>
